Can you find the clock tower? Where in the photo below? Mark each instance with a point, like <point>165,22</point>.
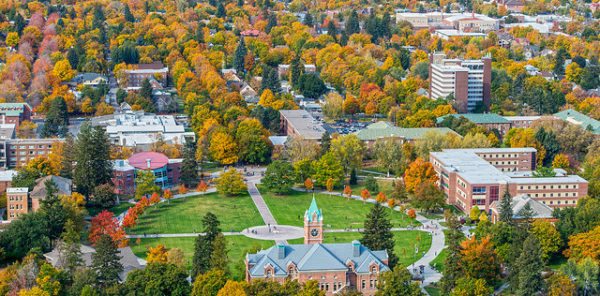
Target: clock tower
<point>313,224</point>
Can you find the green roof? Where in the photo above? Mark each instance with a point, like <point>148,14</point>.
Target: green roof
<point>580,119</point>
<point>313,209</point>
<point>384,129</point>
<point>13,109</point>
<point>478,118</point>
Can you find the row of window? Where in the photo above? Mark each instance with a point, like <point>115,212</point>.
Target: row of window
<point>566,186</point>
<point>325,286</point>
<point>15,198</point>
<point>372,284</point>
<point>559,202</point>
<point>16,207</point>
<point>495,155</point>
<point>563,194</point>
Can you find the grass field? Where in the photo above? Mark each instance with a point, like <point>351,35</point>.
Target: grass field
<point>433,290</point>
<point>338,213</point>
<point>404,247</point>
<point>185,215</point>
<point>117,210</point>
<point>237,245</point>
<point>438,262</point>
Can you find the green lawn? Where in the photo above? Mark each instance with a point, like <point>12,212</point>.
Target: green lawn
<point>117,210</point>
<point>237,245</point>
<point>404,247</point>
<point>185,215</point>
<point>338,212</point>
<point>433,290</point>
<point>438,262</point>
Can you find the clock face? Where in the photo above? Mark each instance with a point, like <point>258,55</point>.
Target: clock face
<point>314,232</point>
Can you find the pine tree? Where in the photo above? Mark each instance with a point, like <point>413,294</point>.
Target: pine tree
<point>270,80</point>
<point>344,39</point>
<point>200,33</point>
<point>219,258</point>
<point>506,212</point>
<point>52,209</point>
<point>530,266</point>
<point>68,157</point>
<point>271,23</point>
<point>452,271</point>
<point>378,235</point>
<point>146,90</point>
<point>92,157</point>
<point>239,56</point>
<point>352,24</point>
<point>57,119</point>
<point>559,61</point>
<point>308,20</point>
<point>189,166</point>
<point>332,30</point>
<point>296,70</point>
<point>203,248</point>
<point>221,10</point>
<point>106,261</point>
<point>128,16</point>
<point>70,248</point>
<point>353,179</point>
<point>384,26</point>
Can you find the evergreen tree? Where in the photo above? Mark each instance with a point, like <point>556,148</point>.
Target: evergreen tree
<point>325,142</point>
<point>332,30</point>
<point>106,262</point>
<point>296,70</point>
<point>239,56</point>
<point>384,26</point>
<point>221,10</point>
<point>352,24</point>
<point>57,119</point>
<point>344,39</point>
<point>128,15</point>
<point>240,3</point>
<point>68,157</point>
<point>19,23</point>
<point>200,33</point>
<point>405,60</point>
<point>271,22</point>
<point>70,248</point>
<point>506,212</point>
<point>92,158</point>
<point>353,179</point>
<point>590,77</point>
<point>73,57</point>
<point>550,143</point>
<point>452,267</point>
<point>98,19</point>
<point>526,215</point>
<point>219,258</point>
<point>270,80</point>
<point>308,20</point>
<point>559,61</point>
<point>53,211</point>
<point>203,248</point>
<point>146,90</point>
<point>189,166</point>
<point>378,235</point>
<point>530,266</point>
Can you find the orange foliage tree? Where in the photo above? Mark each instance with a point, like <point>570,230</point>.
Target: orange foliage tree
<point>411,213</point>
<point>130,219</point>
<point>381,198</point>
<point>167,194</point>
<point>479,259</point>
<point>329,184</point>
<point>308,184</point>
<point>182,189</point>
<point>418,172</point>
<point>202,186</point>
<point>154,198</point>
<point>348,191</point>
<point>106,223</point>
<point>585,244</point>
<point>365,194</point>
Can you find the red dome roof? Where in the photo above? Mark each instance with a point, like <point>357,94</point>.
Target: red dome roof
<point>148,160</point>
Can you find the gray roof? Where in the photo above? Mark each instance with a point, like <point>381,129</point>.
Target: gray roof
<point>87,77</point>
<point>316,257</point>
<point>478,118</point>
<point>64,186</point>
<point>383,129</point>
<point>126,257</point>
<point>304,123</point>
<point>540,210</point>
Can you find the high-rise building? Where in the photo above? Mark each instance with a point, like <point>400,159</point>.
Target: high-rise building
<point>468,81</point>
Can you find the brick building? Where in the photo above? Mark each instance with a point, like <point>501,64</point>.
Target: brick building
<point>300,123</point>
<point>478,177</point>
<point>335,267</point>
<point>19,200</point>
<point>14,113</point>
<point>15,153</point>
<point>490,121</point>
<point>166,171</point>
<point>468,81</point>
<point>155,72</point>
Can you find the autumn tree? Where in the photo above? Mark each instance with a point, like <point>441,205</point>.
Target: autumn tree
<point>144,184</point>
<point>105,223</point>
<point>223,148</point>
<point>347,191</point>
<point>585,245</point>
<point>349,151</point>
<point>418,172</point>
<point>231,183</point>
<point>471,287</point>
<point>428,196</point>
<point>209,283</point>
<point>308,184</point>
<point>328,167</point>
<point>156,254</point>
<point>365,194</point>
<point>548,238</point>
<point>202,186</point>
<point>479,259</point>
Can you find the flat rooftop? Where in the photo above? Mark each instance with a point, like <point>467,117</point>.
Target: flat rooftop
<point>306,125</point>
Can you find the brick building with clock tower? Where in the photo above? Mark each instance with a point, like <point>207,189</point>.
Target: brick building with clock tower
<point>335,267</point>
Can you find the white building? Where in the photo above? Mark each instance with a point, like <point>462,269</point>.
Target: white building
<point>469,81</point>
<point>464,22</point>
<point>139,130</point>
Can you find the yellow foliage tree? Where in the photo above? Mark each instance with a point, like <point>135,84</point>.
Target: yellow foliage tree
<point>232,288</point>
<point>12,39</point>
<point>418,172</point>
<point>223,148</point>
<point>62,70</point>
<point>561,161</point>
<point>157,254</point>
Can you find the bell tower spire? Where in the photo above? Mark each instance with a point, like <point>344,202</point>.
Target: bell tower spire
<point>313,224</point>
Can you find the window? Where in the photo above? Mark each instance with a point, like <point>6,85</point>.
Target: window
<point>479,190</point>
<point>363,284</point>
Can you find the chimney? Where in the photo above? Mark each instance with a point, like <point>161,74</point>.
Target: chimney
<point>280,252</point>
<point>355,248</point>
<point>148,162</point>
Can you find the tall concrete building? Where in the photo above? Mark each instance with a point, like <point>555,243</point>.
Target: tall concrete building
<point>469,81</point>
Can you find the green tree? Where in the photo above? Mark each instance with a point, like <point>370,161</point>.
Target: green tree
<point>349,149</point>
<point>104,196</point>
<point>332,30</point>
<point>550,143</point>
<point>68,157</point>
<point>92,156</point>
<point>128,15</point>
<point>28,232</point>
<point>548,237</point>
<point>452,267</point>
<point>189,166</point>
<point>371,184</point>
<point>57,119</point>
<point>311,85</point>
<point>218,257</point>
<point>471,287</point>
<point>388,154</point>
<point>378,235</point>
<point>144,184</point>
<point>203,247</point>
<point>106,262</point>
<point>586,275</point>
<point>279,177</point>
<point>209,283</point>
<point>559,61</point>
<point>506,212</point>
<point>328,167</point>
<point>530,266</point>
<point>325,142</point>
<point>397,282</point>
<point>239,56</point>
<point>70,248</point>
<point>296,70</point>
<point>158,279</point>
<point>352,24</point>
<point>231,183</point>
